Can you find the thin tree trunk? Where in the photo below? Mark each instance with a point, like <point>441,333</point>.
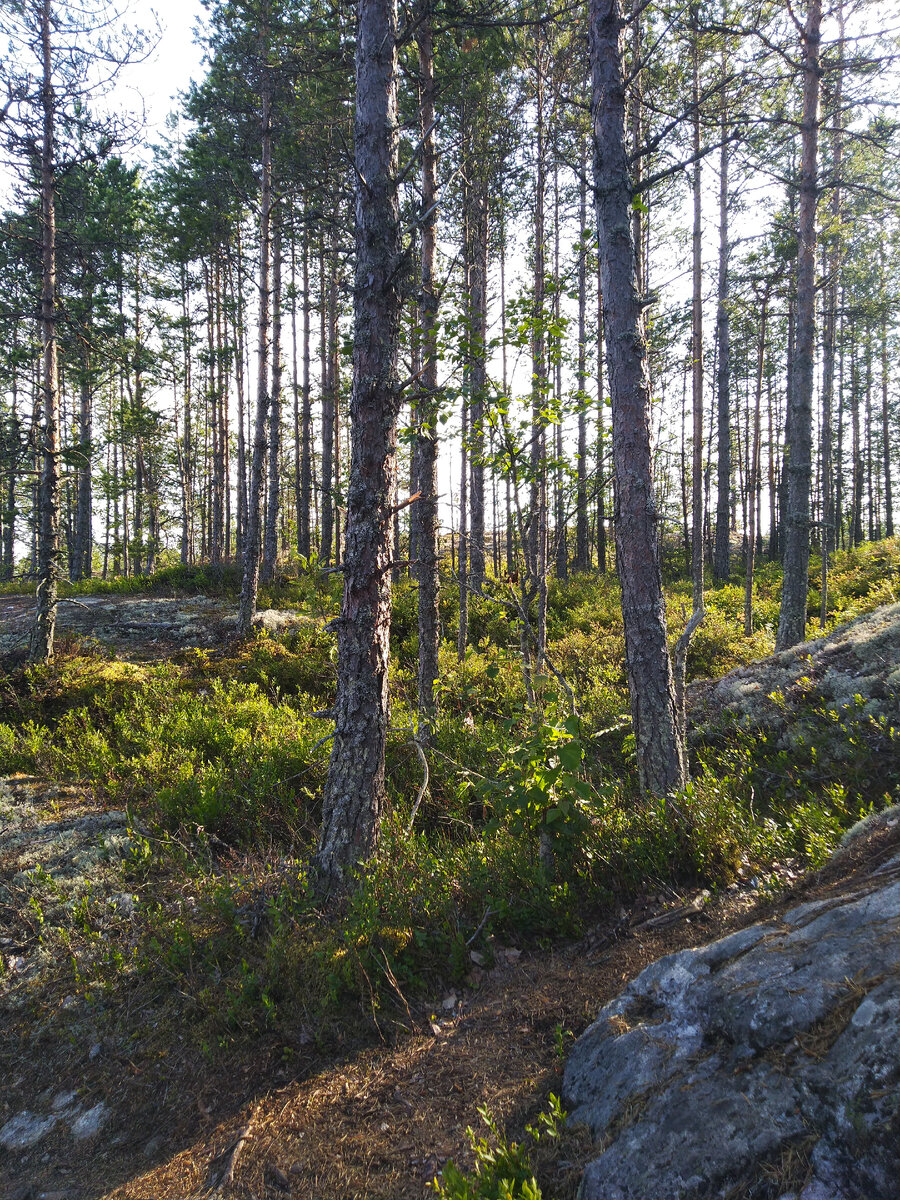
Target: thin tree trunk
<point>582,543</point>
<point>753,486</point>
<point>792,617</point>
<point>250,583</point>
<point>273,509</point>
<point>426,515</point>
<point>354,792</point>
<point>305,498</point>
<point>697,491</point>
<point>42,634</point>
<point>660,754</point>
<point>886,429</point>
<point>722,557</point>
<point>478,267</point>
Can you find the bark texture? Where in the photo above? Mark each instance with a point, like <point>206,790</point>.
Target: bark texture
<point>48,489</point>
<point>354,792</point>
<point>722,558</point>
<point>798,450</point>
<point>425,512</point>
<point>660,753</point>
<point>252,544</point>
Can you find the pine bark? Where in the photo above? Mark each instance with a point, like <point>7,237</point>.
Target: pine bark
<point>722,556</point>
<point>792,617</point>
<point>354,792</point>
<point>305,496</point>
<point>48,502</point>
<point>661,767</point>
<point>425,512</point>
<point>582,529</point>
<point>252,545</point>
<point>273,507</point>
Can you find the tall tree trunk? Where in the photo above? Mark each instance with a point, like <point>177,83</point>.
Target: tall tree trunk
<point>305,498</point>
<point>273,509</point>
<point>792,617</point>
<point>722,557</point>
<point>536,556</point>
<point>582,529</point>
<point>326,355</point>
<point>753,483</point>
<point>252,545</point>
<point>886,426</point>
<point>856,533</point>
<point>602,555</point>
<point>43,630</point>
<point>660,754</point>
<point>698,507</point>
<point>560,530</point>
<point>478,266</point>
<point>462,633</point>
<point>829,320</point>
<point>80,566</point>
<point>425,510</point>
<point>354,793</point>
<point>187,448</point>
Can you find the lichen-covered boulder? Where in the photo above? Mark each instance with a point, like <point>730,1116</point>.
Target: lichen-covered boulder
<point>778,1043</point>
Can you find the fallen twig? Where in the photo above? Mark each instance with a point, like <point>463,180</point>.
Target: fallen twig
<point>225,1176</point>
<point>424,788</point>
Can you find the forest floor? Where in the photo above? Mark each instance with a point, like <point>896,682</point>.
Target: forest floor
<point>375,1117</point>
<point>160,1035</point>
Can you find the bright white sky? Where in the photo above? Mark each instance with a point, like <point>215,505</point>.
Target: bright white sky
<point>155,83</point>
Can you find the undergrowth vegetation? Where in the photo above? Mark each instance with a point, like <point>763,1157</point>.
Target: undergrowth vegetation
<point>531,824</point>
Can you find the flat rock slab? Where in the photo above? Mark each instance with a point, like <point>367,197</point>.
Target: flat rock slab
<point>714,1062</point>
<point>156,625</point>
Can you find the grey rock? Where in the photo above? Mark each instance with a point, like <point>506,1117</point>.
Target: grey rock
<point>24,1130</point>
<point>713,1060</point>
<point>154,1146</point>
<point>91,1122</point>
<point>64,1102</point>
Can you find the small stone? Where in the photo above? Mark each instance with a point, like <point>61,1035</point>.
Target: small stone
<point>63,1101</point>
<point>277,1177</point>
<point>449,1002</point>
<point>154,1146</point>
<point>817,1190</point>
<point>95,1051</point>
<point>90,1123</point>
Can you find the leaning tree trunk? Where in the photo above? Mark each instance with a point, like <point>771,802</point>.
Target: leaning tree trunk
<point>354,792</point>
<point>252,542</point>
<point>660,755</point>
<point>44,627</point>
<point>792,618</point>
